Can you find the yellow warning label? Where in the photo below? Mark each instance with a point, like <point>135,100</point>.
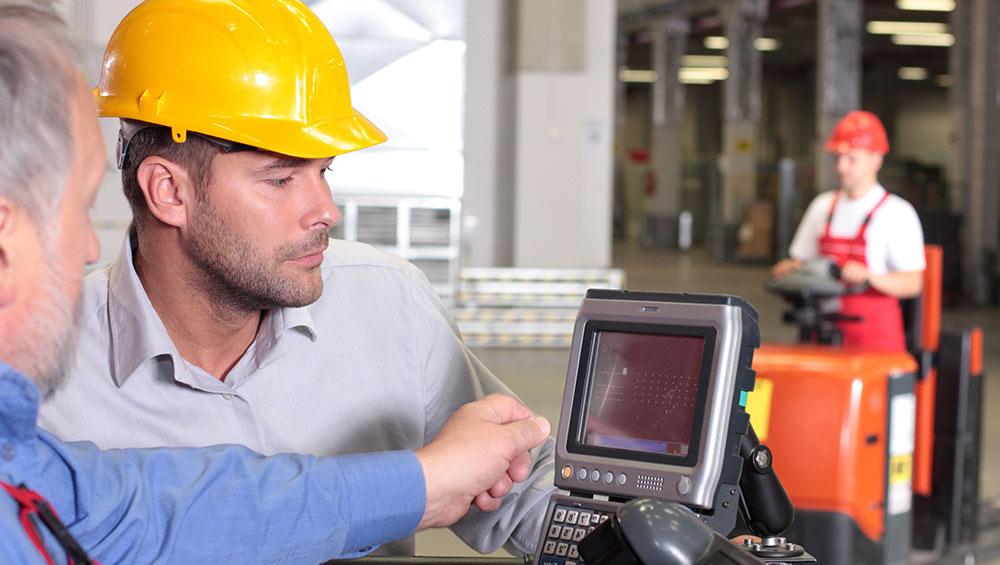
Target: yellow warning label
<point>901,469</point>
<point>743,145</point>
<point>759,407</point>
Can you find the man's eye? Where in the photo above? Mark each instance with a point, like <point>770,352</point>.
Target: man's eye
<point>279,183</point>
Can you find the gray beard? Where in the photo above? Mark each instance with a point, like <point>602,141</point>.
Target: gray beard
<point>46,347</point>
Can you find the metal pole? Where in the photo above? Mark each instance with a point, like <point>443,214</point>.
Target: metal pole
<point>782,214</point>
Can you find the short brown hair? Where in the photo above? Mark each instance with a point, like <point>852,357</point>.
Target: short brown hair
<point>195,155</point>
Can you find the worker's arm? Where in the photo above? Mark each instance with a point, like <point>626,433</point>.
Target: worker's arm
<point>805,244</point>
<point>901,285</point>
<point>227,504</point>
<point>785,267</point>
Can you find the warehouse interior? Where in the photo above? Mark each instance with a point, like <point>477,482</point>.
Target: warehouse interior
<point>540,148</point>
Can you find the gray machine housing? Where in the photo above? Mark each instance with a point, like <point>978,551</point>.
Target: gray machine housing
<point>708,480</point>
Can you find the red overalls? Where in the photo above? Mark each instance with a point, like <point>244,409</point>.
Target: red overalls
<point>881,327</point>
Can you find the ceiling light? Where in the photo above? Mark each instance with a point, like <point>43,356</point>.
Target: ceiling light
<point>716,42</point>
<point>696,81</point>
<point>702,73</point>
<point>766,44</point>
<point>719,42</point>
<point>636,75</point>
<point>903,28</point>
<point>926,5</point>
<point>912,73</point>
<point>703,61</point>
<point>926,40</point>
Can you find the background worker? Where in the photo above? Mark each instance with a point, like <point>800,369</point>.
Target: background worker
<point>230,316</point>
<point>216,505</point>
<point>874,236</point>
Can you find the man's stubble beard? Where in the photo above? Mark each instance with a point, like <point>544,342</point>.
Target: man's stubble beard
<point>238,277</point>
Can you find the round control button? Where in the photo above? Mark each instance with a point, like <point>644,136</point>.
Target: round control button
<point>609,477</point>
<point>684,485</point>
<point>581,473</point>
<point>595,475</point>
<point>622,479</point>
<point>567,472</point>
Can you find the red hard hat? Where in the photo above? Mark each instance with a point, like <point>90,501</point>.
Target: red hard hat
<point>858,130</point>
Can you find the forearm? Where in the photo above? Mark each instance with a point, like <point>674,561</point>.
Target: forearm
<point>900,285</point>
<point>228,504</point>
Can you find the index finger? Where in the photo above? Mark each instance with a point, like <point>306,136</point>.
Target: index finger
<point>526,434</point>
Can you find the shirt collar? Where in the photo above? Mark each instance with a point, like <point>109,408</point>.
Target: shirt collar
<point>19,398</point>
<point>871,197</point>
<point>138,334</point>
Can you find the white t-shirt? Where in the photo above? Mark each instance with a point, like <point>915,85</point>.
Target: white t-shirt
<point>894,236</point>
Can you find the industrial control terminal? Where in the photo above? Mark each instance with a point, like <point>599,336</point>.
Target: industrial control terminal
<point>654,407</point>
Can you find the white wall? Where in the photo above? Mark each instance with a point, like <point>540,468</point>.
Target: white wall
<point>563,185</point>
<point>93,21</point>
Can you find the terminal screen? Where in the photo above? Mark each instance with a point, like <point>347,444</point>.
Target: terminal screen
<point>643,392</point>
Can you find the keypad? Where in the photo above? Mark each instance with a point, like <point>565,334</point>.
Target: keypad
<point>566,529</point>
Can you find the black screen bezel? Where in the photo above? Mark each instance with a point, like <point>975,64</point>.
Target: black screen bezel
<point>579,407</point>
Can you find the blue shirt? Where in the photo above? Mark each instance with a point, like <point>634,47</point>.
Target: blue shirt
<point>211,505</point>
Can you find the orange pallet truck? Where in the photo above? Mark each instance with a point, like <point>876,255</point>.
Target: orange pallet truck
<point>878,451</point>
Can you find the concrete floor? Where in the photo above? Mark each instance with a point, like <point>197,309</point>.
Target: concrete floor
<point>538,375</point>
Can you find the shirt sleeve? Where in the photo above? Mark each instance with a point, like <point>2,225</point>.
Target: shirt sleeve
<point>805,244</point>
<point>453,376</point>
<point>227,504</point>
<point>906,242</point>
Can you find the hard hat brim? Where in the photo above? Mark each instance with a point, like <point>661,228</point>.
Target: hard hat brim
<point>321,139</point>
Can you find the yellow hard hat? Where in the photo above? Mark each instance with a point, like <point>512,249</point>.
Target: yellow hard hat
<point>264,73</point>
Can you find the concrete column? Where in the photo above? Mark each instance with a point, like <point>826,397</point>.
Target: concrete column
<point>981,203</point>
<point>620,199</point>
<point>959,94</point>
<point>669,45</point>
<point>488,201</point>
<point>838,76</point>
<point>743,20</point>
<point>563,147</point>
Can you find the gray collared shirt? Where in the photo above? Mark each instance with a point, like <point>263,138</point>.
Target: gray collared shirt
<point>375,364</point>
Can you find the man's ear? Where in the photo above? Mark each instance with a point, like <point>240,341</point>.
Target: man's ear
<point>167,188</point>
<point>8,242</point>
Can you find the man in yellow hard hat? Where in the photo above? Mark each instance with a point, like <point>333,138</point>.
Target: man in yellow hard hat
<point>230,316</point>
<point>69,502</point>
